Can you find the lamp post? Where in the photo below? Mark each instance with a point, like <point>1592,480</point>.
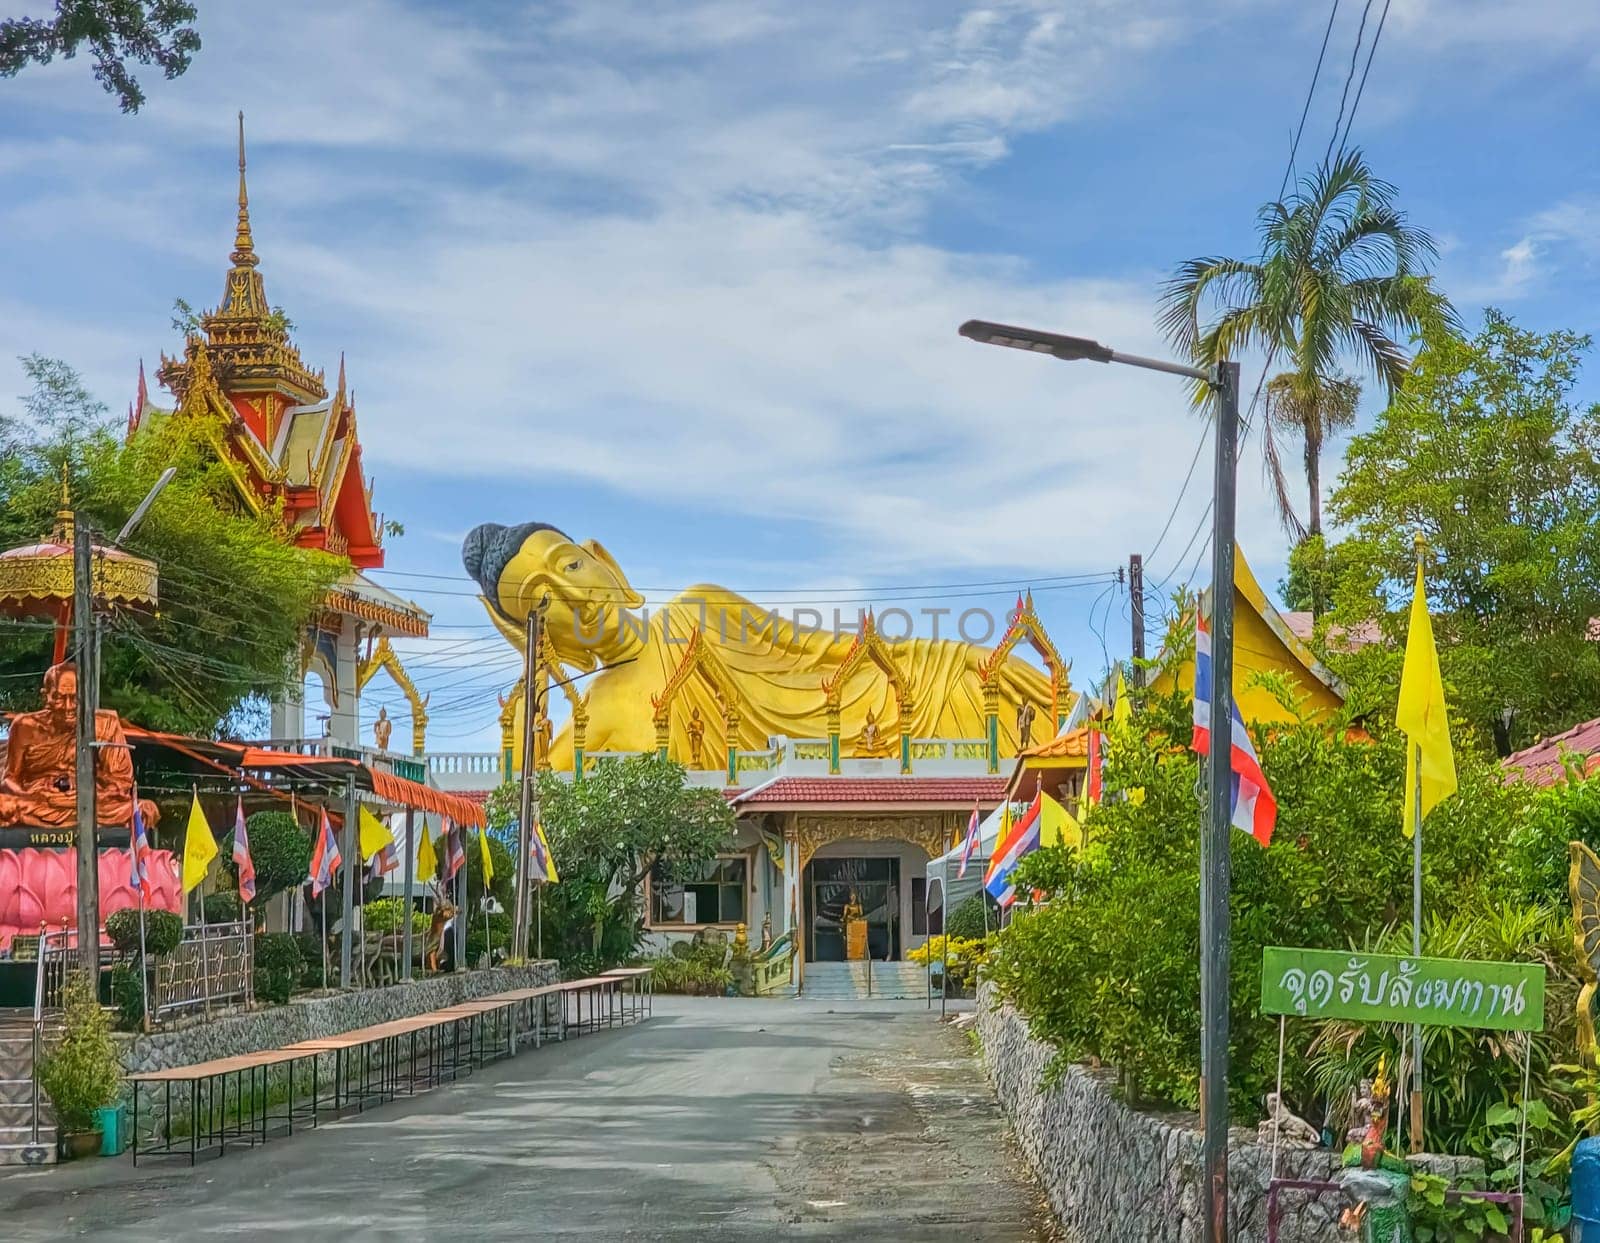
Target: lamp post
<point>1223,382</point>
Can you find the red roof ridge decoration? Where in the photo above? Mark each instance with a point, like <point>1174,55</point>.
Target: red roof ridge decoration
<point>956,791</point>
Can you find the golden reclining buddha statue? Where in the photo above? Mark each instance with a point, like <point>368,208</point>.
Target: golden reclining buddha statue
<point>776,668</point>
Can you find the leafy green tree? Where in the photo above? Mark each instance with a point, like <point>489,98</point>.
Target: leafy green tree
<point>1108,968</point>
<point>607,833</point>
<point>1483,452</point>
<point>151,32</point>
<point>235,593</point>
<point>1341,275</point>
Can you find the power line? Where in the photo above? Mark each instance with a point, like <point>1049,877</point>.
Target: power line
<point>1365,69</point>
<point>1310,91</point>
<point>1349,77</point>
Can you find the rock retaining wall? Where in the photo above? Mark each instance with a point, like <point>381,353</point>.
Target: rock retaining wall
<point>1112,1172</point>
<point>203,1038</point>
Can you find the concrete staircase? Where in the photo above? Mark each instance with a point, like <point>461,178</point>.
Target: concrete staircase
<point>17,1145</point>
<point>847,981</point>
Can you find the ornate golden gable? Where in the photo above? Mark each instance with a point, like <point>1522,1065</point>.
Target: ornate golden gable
<point>1025,624</point>
<point>383,656</point>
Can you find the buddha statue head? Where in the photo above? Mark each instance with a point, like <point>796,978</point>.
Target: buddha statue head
<point>521,567</point>
<point>61,696</point>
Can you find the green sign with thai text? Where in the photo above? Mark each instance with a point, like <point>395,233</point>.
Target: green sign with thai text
<point>1385,988</point>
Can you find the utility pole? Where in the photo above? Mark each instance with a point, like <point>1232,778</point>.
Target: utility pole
<point>530,779</point>
<point>88,667</point>
<point>1136,597</point>
<point>1215,870</point>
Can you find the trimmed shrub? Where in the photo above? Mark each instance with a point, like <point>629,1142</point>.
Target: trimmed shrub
<point>127,995</point>
<point>278,966</point>
<point>968,922</point>
<point>383,915</point>
<point>280,850</point>
<point>162,931</point>
<point>500,927</point>
<point>310,946</point>
<point>221,908</point>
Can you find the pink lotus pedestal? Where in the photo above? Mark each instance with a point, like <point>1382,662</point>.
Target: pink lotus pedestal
<point>40,886</point>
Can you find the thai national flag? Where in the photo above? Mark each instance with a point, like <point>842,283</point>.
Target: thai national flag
<point>970,844</point>
<point>455,853</point>
<point>325,860</point>
<point>1022,840</point>
<point>139,855</point>
<point>1255,810</point>
<point>241,855</point>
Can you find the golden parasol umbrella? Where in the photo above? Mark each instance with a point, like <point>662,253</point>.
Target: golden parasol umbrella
<point>36,580</point>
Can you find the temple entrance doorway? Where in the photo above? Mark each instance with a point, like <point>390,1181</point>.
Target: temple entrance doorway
<point>830,884</point>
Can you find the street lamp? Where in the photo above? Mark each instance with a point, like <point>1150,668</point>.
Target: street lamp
<point>1223,381</point>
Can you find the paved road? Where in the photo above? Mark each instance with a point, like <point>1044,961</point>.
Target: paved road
<point>716,1120</point>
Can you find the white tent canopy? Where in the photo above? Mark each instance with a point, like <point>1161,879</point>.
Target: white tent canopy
<point>943,878</point>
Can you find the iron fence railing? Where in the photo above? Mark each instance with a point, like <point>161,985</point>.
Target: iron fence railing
<point>213,964</point>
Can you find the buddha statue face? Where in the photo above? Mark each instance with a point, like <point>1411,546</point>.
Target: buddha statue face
<point>521,567</point>
<point>61,697</point>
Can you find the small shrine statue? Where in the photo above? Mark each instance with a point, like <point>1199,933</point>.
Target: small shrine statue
<point>741,942</point>
<point>1285,1127</point>
<point>871,744</point>
<point>697,736</point>
<point>1374,1181</point>
<point>382,729</point>
<point>854,927</point>
<point>1025,715</point>
<point>766,932</point>
<point>1362,1107</point>
<point>541,742</point>
<point>39,788</point>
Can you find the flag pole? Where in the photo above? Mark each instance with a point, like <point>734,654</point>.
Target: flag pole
<point>138,872</point>
<point>1416,942</point>
<point>205,949</point>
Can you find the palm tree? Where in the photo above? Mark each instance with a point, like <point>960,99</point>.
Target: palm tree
<point>1312,412</point>
<point>1340,275</point>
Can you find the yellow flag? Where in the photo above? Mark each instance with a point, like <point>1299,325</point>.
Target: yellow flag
<point>1057,826</point>
<point>374,835</point>
<point>1122,711</point>
<point>488,863</point>
<point>427,861</point>
<point>199,847</point>
<point>1422,716</point>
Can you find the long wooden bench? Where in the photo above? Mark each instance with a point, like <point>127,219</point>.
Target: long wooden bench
<point>373,1064</point>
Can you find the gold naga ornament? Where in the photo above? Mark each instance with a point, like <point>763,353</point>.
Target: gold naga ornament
<point>743,667</point>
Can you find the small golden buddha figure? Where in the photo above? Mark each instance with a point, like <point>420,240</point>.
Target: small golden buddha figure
<point>871,744</point>
<point>1025,715</point>
<point>854,927</point>
<point>541,742</point>
<point>382,729</point>
<point>697,734</point>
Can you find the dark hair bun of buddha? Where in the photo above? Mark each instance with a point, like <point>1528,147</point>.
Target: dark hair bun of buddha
<point>489,547</point>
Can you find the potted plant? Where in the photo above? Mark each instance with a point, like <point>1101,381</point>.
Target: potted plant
<point>81,1073</point>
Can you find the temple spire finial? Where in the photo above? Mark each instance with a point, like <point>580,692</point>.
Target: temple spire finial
<point>244,249</point>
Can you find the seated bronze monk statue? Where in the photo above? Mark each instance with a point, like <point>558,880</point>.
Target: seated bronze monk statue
<point>39,788</point>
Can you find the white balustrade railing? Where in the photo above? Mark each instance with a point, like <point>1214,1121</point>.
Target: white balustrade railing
<point>460,762</point>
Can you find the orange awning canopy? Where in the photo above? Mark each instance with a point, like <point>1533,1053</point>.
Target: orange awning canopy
<point>230,757</point>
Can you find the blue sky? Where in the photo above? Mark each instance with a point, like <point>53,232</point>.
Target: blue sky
<point>685,277</point>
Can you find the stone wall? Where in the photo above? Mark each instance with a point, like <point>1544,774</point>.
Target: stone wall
<point>1112,1172</point>
<point>201,1038</point>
